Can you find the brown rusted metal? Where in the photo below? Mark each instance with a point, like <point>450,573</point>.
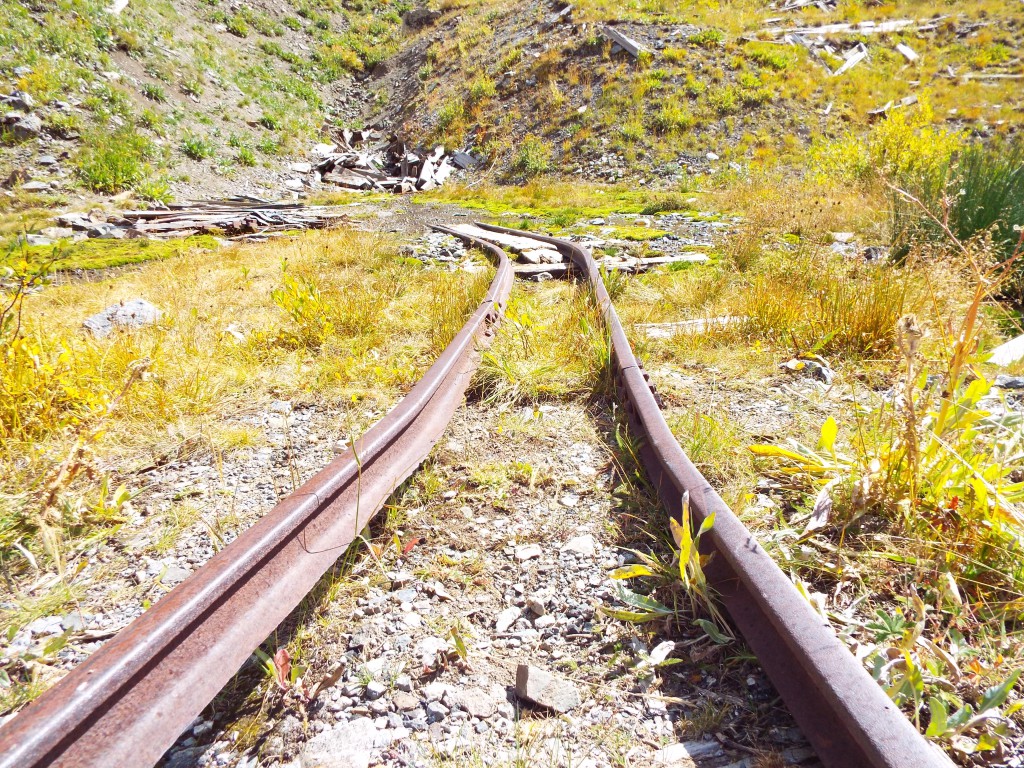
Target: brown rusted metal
<point>129,701</point>
<point>846,716</point>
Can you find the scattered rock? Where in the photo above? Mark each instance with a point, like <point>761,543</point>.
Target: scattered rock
<point>504,620</point>
<point>815,369</point>
<point>134,313</point>
<point>348,745</point>
<point>418,18</point>
<point>21,127</point>
<point>20,100</point>
<point>476,701</point>
<point>688,754</point>
<point>437,711</point>
<point>581,545</point>
<point>1009,382</point>
<point>173,575</point>
<point>528,552</point>
<point>545,690</point>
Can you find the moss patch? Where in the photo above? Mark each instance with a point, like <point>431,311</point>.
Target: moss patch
<point>100,254</point>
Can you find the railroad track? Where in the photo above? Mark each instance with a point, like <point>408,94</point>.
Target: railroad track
<point>128,703</point>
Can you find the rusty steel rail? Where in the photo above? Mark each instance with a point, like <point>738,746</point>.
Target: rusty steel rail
<point>127,703</point>
<point>843,712</point>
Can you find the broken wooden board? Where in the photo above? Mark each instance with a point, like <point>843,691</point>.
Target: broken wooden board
<point>1008,353</point>
<point>628,44</point>
<point>908,53</point>
<point>513,242</point>
<point>700,325</point>
<point>531,271</point>
<point>853,58</point>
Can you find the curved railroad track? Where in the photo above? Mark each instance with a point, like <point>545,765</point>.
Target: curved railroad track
<point>129,701</point>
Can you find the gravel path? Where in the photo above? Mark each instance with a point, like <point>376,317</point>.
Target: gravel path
<point>485,644</point>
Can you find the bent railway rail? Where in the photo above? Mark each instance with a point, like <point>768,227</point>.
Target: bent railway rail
<point>847,717</point>
<point>129,701</point>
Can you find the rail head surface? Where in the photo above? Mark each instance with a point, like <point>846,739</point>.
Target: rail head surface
<point>129,701</point>
<point>843,712</point>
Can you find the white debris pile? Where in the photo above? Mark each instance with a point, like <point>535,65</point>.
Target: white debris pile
<point>361,161</point>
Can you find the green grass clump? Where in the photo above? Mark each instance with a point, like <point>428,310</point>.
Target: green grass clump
<point>533,158</point>
<point>708,38</point>
<point>112,162</point>
<point>983,186</point>
<point>672,118</point>
<point>100,253</point>
<point>771,56</point>
<point>197,147</point>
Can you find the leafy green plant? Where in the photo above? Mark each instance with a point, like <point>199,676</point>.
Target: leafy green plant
<point>155,190</point>
<point>533,158</point>
<point>979,190</point>
<point>154,91</point>
<point>671,117</point>
<point>246,157</point>
<point>708,38</point>
<point>686,569</point>
<point>197,147</point>
<point>113,161</point>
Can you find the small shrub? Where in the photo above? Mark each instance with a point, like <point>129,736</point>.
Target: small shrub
<point>633,129</point>
<point>155,190</point>
<point>197,147</point>
<point>154,92</point>
<point>451,112</point>
<point>269,145</point>
<point>481,88</point>
<point>192,86</point>
<point>111,162</point>
<point>675,55</point>
<point>726,100</point>
<point>770,56</point>
<point>533,158</point>
<point>982,189</point>
<point>270,122</point>
<point>246,157</point>
<point>672,118</point>
<point>292,23</point>
<point>904,146</point>
<point>64,125</point>
<point>237,26</point>
<point>708,38</point>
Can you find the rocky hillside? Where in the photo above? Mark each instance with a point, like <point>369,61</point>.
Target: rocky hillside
<point>173,100</point>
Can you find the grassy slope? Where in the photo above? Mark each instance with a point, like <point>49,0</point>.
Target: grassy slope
<point>498,77</point>
<point>163,85</point>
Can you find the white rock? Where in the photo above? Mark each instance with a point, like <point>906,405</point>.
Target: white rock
<point>348,745</point>
<point>504,620</point>
<point>528,552</point>
<point>686,754</point>
<point>581,545</point>
<point>1008,353</point>
<point>301,167</point>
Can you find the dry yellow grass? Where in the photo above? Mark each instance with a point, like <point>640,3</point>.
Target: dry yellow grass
<point>335,317</point>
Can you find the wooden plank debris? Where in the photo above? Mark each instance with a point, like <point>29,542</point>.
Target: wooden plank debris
<point>628,44</point>
<point>853,57</point>
<point>238,217</point>
<point>1008,353</point>
<point>908,53</point>
<point>356,163</point>
<point>700,325</point>
<point>885,109</point>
